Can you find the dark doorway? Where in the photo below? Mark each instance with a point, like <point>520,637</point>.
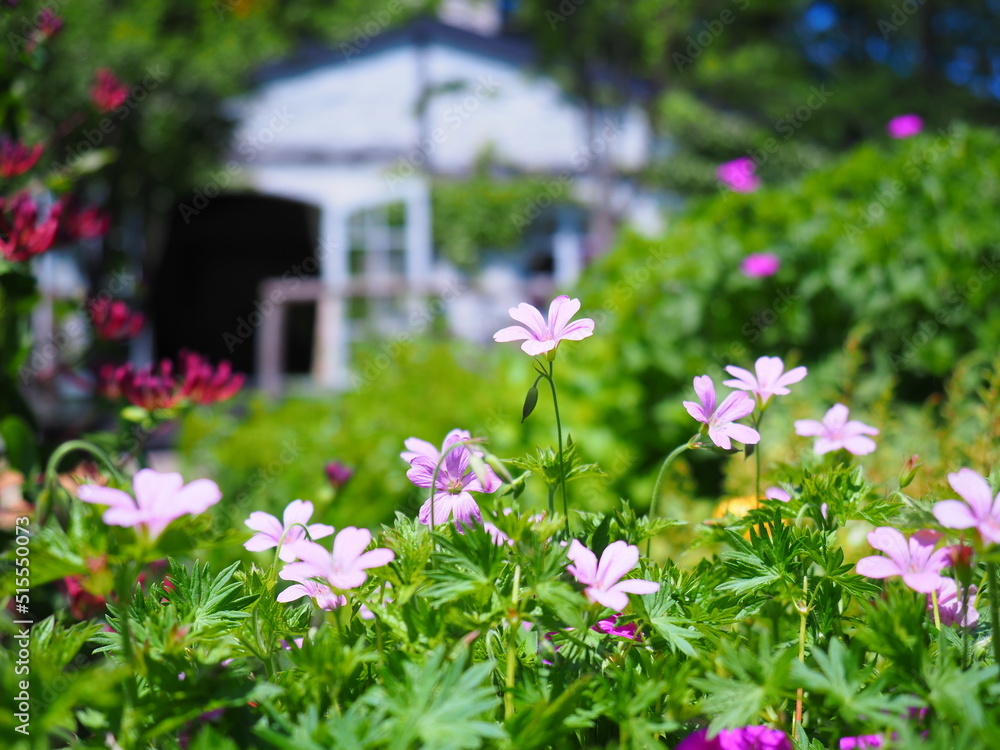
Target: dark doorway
<point>205,294</point>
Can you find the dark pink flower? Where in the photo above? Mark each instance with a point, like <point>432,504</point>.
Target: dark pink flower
<point>338,474</point>
<point>107,93</point>
<point>770,379</point>
<point>627,630</point>
<point>835,432</point>
<point>743,738</point>
<point>738,175</point>
<point>22,234</point>
<point>163,387</point>
<point>159,499</point>
<point>113,320</point>
<point>915,559</point>
<point>904,126</point>
<point>540,335</point>
<point>16,158</point>
<point>759,265</point>
<point>603,580</point>
<point>980,509</point>
<point>861,742</point>
<point>721,421</point>
<point>82,223</point>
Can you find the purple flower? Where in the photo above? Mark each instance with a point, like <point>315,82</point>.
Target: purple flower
<point>904,126</point>
<point>861,742</point>
<point>324,597</point>
<point>743,738</point>
<point>951,606</point>
<point>980,509</point>
<point>738,175</point>
<point>721,421</point>
<point>271,532</point>
<point>455,481</point>
<point>342,569</point>
<point>541,336</point>
<point>760,265</point>
<point>159,499</point>
<point>608,626</point>
<point>835,432</point>
<point>770,379</point>
<point>915,559</point>
<point>776,493</point>
<point>416,447</point>
<point>338,474</point>
<point>603,579</point>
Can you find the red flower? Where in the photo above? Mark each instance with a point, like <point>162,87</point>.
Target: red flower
<point>114,321</point>
<point>22,235</point>
<point>152,388</point>
<point>16,158</point>
<point>108,92</point>
<point>82,223</point>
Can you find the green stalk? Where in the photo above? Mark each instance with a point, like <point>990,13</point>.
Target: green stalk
<point>52,471</point>
<point>562,467</point>
<point>508,696</point>
<point>659,480</point>
<point>991,572</point>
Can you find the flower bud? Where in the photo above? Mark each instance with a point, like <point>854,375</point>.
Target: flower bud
<point>909,471</point>
<point>338,474</point>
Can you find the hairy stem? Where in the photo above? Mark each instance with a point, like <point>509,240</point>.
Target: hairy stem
<point>562,466</point>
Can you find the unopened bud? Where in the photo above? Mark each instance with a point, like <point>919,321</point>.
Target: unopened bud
<point>909,471</point>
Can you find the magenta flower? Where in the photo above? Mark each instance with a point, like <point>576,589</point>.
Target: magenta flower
<point>338,474</point>
<point>603,579</point>
<point>760,265</point>
<point>980,509</point>
<point>609,626</point>
<point>273,533</point>
<point>915,559</point>
<point>342,569</point>
<point>17,158</point>
<point>904,126</point>
<point>721,420</point>
<point>541,336</point>
<point>159,499</point>
<point>951,608</point>
<point>770,380</point>
<point>835,432</point>
<point>738,175</point>
<point>743,738</point>
<point>455,481</point>
<point>861,742</point>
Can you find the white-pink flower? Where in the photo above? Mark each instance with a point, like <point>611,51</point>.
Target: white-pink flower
<point>721,421</point>
<point>291,529</point>
<point>980,510</point>
<point>603,579</point>
<point>343,568</point>
<point>770,379</point>
<point>159,499</point>
<point>915,559</point>
<point>541,335</point>
<point>320,593</point>
<point>776,493</point>
<point>836,432</point>
<point>955,608</point>
<point>415,447</point>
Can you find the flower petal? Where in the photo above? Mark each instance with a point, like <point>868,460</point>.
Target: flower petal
<point>877,566</point>
<point>561,311</point>
<point>297,511</point>
<point>584,567</point>
<point>974,489</point>
<point>529,316</point>
<point>512,333</point>
<point>809,427</point>
<point>742,433</point>
<point>617,559</point>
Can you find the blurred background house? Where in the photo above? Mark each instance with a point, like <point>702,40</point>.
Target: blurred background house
<point>320,229</point>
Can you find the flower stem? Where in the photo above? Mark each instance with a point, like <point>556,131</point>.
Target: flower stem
<point>562,466</point>
<point>991,572</point>
<point>803,614</point>
<point>508,695</point>
<point>659,480</point>
<point>52,471</point>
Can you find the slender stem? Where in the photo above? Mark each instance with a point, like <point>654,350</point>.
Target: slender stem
<point>659,481</point>
<point>562,466</point>
<point>937,610</point>
<point>803,614</point>
<point>52,471</point>
<point>991,572</point>
<point>508,696</point>
<point>757,420</point>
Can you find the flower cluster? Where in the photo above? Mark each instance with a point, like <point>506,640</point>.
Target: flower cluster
<point>156,388</point>
<point>23,234</point>
<point>16,158</point>
<point>113,320</point>
<point>756,737</point>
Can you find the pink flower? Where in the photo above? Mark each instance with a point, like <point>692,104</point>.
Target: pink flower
<point>608,626</point>
<point>770,380</point>
<point>541,336</point>
<point>417,447</point>
<point>861,742</point>
<point>107,93</point>
<point>16,158</point>
<point>113,320</point>
<point>721,420</point>
<point>342,569</point>
<point>603,579</point>
<point>904,126</point>
<point>82,223</point>
<point>915,560</point>
<point>455,480</point>
<point>272,533</point>
<point>742,738</point>
<point>951,608</point>
<point>759,265</point>
<point>738,175</point>
<point>159,499</point>
<point>320,593</point>
<point>23,235</point>
<point>835,432</point>
<point>776,493</point>
<point>980,509</point>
